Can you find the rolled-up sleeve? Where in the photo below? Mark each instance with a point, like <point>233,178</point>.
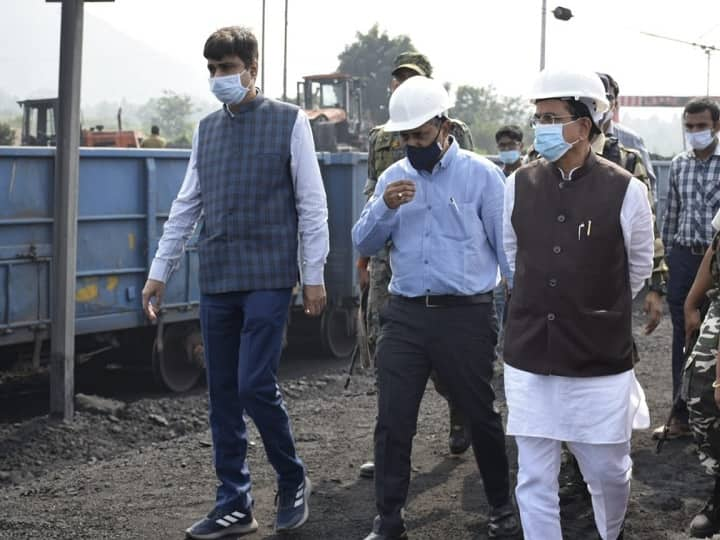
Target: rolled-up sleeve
<point>311,203</point>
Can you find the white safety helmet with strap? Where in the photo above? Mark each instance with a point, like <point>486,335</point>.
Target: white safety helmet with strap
<point>583,86</point>
<point>416,101</point>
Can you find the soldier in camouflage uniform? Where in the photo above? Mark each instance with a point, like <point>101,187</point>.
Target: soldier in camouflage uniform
<point>385,149</point>
<point>701,380</point>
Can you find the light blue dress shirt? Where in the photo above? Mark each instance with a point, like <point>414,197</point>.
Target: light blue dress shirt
<point>448,239</point>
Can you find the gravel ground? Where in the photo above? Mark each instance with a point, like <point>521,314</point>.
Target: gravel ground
<point>144,471</point>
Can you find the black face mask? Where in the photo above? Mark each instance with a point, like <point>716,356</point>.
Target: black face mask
<point>424,158</point>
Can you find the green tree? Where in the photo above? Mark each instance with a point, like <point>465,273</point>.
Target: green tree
<point>485,112</point>
<point>7,134</point>
<point>170,113</point>
<point>370,57</point>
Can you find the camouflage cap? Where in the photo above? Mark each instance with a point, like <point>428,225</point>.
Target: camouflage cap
<point>415,61</point>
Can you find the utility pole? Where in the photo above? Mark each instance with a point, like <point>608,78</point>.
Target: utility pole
<point>285,55</point>
<point>67,171</point>
<point>262,51</point>
<point>67,165</point>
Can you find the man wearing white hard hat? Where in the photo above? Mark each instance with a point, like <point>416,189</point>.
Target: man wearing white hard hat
<point>578,233</point>
<point>442,209</point>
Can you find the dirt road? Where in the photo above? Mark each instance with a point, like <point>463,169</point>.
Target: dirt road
<point>145,472</point>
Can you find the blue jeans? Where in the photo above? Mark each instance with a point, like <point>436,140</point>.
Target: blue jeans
<point>683,266</point>
<point>242,333</point>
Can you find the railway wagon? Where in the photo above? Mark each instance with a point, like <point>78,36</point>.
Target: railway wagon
<point>124,199</point>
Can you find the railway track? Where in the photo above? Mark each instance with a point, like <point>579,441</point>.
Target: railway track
<point>22,398</point>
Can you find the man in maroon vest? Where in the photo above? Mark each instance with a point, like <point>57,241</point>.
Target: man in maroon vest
<point>578,233</point>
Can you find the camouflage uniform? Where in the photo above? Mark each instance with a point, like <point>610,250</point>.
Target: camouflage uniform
<point>385,149</point>
<point>699,374</point>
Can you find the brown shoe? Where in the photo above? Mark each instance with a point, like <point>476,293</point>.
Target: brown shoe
<point>676,430</point>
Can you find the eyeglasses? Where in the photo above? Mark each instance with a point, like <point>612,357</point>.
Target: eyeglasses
<point>549,118</point>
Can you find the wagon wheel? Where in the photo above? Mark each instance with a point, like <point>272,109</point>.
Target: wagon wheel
<point>338,330</point>
<point>177,358</point>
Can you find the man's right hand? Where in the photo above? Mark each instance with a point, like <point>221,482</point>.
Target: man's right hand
<point>153,289</point>
<point>399,192</point>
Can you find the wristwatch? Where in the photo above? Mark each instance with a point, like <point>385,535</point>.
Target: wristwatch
<point>659,288</point>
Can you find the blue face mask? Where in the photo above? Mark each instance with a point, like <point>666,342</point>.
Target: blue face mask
<point>424,158</point>
<point>228,89</point>
<point>508,157</point>
<point>549,141</point>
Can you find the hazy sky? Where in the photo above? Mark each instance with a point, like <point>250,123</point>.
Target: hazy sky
<point>469,41</point>
<point>477,42</point>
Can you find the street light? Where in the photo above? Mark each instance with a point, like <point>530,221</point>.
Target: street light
<point>560,13</point>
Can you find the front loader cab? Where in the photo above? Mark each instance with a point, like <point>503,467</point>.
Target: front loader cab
<point>38,124</point>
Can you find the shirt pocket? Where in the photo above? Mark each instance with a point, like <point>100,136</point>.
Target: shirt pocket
<point>463,223</point>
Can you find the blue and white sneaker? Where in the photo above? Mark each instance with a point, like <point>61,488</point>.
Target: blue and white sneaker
<point>292,506</point>
<point>219,523</point>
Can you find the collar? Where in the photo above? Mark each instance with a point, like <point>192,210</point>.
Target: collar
<point>578,172</point>
<point>450,154</point>
<point>245,107</point>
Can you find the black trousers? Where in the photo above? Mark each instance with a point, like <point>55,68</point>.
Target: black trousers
<point>458,342</point>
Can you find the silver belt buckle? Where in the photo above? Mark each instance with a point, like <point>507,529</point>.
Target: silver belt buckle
<point>427,302</point>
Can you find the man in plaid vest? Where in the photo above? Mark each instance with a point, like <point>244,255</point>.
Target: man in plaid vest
<point>253,183</point>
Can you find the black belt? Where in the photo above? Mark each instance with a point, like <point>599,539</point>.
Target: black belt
<point>447,300</point>
<point>695,249</point>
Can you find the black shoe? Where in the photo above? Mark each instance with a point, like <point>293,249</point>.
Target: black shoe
<point>503,521</point>
<point>367,470</point>
<point>375,534</point>
<point>220,523</point>
<point>574,489</point>
<point>459,440</point>
<point>572,483</point>
<point>707,522</point>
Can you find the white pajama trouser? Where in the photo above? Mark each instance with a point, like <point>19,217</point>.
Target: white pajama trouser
<point>606,468</point>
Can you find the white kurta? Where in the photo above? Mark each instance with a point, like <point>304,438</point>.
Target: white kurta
<point>598,410</point>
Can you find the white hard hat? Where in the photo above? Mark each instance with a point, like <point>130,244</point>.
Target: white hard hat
<point>583,86</point>
<point>416,101</point>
